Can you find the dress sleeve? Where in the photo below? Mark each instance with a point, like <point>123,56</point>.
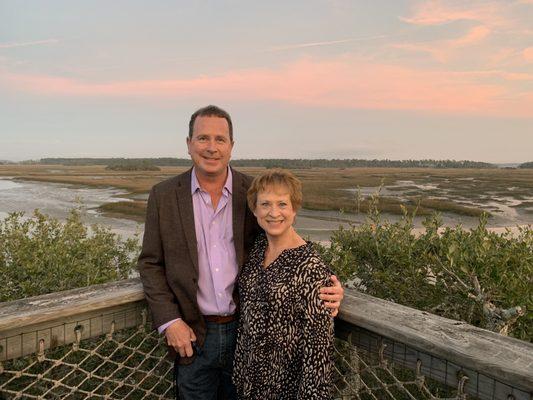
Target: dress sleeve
<point>317,333</point>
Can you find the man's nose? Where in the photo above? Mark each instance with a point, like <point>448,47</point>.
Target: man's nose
<point>211,146</point>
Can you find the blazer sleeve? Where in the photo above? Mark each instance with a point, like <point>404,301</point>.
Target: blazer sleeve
<point>317,334</point>
<point>151,265</point>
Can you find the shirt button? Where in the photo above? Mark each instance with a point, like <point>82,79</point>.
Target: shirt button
<point>214,245</point>
<point>216,269</point>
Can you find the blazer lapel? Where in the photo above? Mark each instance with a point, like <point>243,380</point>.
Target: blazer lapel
<point>186,212</point>
<point>239,209</point>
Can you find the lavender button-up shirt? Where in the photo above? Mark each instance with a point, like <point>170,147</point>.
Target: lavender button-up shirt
<point>217,261</point>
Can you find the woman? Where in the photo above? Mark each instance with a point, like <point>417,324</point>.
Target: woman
<point>285,336</point>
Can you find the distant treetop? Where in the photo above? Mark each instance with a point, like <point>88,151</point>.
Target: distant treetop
<point>526,165</point>
<point>132,165</point>
<point>280,162</point>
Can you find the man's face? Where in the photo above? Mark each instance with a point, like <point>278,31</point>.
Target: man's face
<point>210,146</point>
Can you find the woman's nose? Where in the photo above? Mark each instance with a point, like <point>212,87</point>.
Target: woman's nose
<point>274,210</point>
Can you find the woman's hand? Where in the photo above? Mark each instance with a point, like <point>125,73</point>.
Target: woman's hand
<point>332,295</point>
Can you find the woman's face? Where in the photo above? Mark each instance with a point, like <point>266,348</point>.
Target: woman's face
<point>274,211</point>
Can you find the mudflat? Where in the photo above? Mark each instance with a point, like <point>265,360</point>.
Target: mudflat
<point>504,193</point>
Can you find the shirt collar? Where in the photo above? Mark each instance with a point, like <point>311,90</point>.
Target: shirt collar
<point>195,185</point>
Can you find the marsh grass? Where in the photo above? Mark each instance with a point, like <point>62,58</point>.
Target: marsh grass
<point>324,189</point>
<point>133,209</point>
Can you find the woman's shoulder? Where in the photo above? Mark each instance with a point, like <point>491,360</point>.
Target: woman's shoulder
<point>311,264</point>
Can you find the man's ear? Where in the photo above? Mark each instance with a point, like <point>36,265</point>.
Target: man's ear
<point>188,141</point>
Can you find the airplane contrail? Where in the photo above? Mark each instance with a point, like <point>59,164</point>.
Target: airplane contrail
<point>23,44</point>
<point>326,43</point>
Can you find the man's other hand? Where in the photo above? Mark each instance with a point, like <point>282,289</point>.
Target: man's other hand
<point>332,295</point>
<point>179,335</point>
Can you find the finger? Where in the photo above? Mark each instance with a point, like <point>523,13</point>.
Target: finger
<point>334,312</point>
<point>188,350</point>
<point>331,289</point>
<point>324,295</point>
<point>330,297</point>
<point>332,304</point>
<point>193,336</point>
<point>335,280</point>
<point>180,350</point>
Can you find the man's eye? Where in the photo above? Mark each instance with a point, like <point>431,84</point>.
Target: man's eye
<point>202,138</point>
<point>221,140</point>
<point>282,204</point>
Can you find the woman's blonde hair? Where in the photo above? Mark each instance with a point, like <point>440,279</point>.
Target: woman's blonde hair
<point>273,179</point>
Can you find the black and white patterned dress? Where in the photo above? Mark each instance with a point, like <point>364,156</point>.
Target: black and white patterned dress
<point>285,338</point>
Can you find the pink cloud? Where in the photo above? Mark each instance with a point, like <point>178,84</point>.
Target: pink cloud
<point>345,82</point>
<point>528,54</point>
<point>442,50</point>
<point>438,12</point>
<point>473,36</point>
<point>509,76</point>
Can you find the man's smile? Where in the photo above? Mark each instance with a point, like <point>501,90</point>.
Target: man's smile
<point>211,158</point>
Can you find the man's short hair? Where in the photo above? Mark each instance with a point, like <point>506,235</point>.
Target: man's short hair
<point>211,111</point>
<point>273,179</point>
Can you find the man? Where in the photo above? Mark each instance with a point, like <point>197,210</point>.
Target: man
<point>197,234</point>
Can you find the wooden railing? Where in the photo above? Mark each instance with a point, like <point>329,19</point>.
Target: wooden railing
<point>382,339</point>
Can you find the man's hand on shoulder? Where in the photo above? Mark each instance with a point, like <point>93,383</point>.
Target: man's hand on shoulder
<point>332,295</point>
<point>179,335</point>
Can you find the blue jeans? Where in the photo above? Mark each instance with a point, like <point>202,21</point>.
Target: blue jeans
<point>209,375</point>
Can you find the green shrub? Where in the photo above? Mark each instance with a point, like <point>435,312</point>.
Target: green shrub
<point>41,255</point>
<point>477,276</point>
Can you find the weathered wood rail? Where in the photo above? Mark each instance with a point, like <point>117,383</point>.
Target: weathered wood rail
<point>482,363</point>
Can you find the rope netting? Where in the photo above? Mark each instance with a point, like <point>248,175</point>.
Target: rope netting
<point>128,364</point>
<point>360,374</point>
<point>131,364</point>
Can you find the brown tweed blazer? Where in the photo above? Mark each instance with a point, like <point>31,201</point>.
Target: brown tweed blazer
<point>168,263</point>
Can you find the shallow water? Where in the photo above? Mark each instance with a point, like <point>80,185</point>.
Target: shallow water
<point>56,199</point>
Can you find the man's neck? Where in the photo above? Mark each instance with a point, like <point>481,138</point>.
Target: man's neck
<point>212,184</point>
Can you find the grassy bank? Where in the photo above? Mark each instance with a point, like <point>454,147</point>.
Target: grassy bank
<point>135,210</point>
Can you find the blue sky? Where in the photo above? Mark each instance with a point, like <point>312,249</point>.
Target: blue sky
<point>344,79</point>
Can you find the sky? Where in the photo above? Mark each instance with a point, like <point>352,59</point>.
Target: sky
<point>301,79</point>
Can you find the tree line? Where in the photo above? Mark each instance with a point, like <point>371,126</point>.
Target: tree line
<point>278,162</point>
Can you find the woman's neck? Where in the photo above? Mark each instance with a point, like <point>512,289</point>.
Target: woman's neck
<point>289,240</point>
